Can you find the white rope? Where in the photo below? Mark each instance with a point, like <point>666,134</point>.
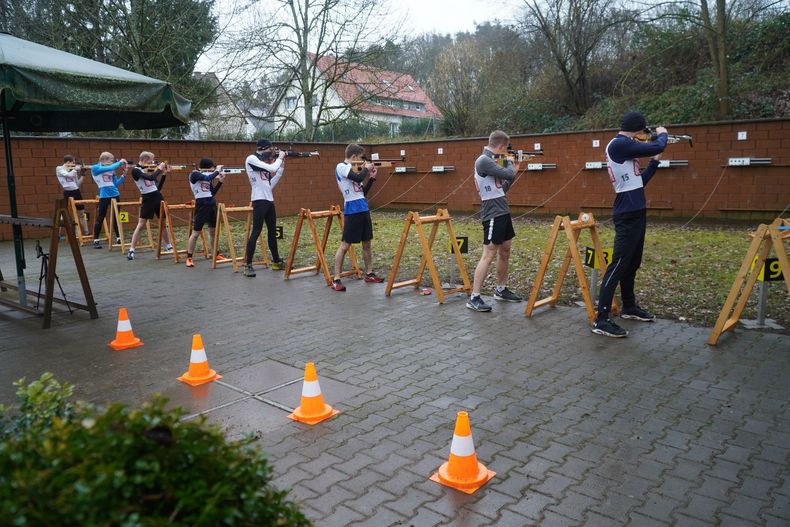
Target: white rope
<point>721,176</point>
<point>403,193</point>
<point>429,207</point>
<point>550,197</point>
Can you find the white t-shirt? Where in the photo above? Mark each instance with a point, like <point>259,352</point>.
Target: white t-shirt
<point>263,177</point>
<point>67,178</point>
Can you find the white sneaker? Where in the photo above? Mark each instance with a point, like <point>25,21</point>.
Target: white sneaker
<point>130,255</point>
<point>168,247</point>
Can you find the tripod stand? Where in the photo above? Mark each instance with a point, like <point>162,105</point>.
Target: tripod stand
<point>43,274</point>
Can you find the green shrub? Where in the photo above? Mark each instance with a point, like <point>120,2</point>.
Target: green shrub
<point>72,464</point>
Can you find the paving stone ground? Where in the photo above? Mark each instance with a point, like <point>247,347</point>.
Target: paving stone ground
<point>655,429</point>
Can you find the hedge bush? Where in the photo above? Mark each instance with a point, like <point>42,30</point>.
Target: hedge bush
<point>64,463</point>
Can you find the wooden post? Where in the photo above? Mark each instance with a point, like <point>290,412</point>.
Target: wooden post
<point>115,217</point>
<point>442,217</point>
<point>321,264</point>
<point>223,221</point>
<point>166,222</point>
<point>572,232</point>
<point>766,237</point>
<point>86,239</point>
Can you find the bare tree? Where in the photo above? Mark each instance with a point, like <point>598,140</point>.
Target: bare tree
<point>715,23</point>
<point>456,86</point>
<point>573,31</point>
<point>312,45</point>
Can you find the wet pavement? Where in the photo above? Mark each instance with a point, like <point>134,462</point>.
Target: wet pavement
<point>655,429</point>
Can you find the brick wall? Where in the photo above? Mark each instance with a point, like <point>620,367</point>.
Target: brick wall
<point>751,193</point>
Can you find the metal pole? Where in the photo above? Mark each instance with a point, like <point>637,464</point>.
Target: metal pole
<point>19,249</point>
<point>763,299</point>
<point>594,285</point>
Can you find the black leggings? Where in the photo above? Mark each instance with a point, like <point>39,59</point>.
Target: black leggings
<point>104,205</point>
<point>263,210</point>
<point>629,242</point>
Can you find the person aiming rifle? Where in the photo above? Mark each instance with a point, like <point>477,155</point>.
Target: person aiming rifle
<point>264,169</point>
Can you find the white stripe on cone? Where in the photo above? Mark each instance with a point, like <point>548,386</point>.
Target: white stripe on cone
<point>124,325</point>
<point>462,446</point>
<point>311,389</point>
<point>198,356</point>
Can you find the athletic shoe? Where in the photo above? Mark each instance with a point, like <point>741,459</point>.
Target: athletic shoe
<point>130,255</point>
<point>117,240</point>
<point>637,313</point>
<point>372,278</point>
<point>507,295</point>
<point>608,328</point>
<point>476,303</point>
<point>96,244</point>
<point>221,256</point>
<point>337,286</point>
<point>278,266</point>
<point>190,263</point>
<point>249,272</point>
<point>168,247</point>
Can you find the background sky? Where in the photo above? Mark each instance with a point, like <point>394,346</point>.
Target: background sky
<point>452,16</point>
<point>420,16</point>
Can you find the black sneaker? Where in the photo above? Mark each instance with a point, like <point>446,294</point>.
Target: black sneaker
<point>476,303</point>
<point>507,295</point>
<point>608,328</point>
<point>96,244</point>
<point>249,272</point>
<point>117,240</point>
<point>637,313</point>
<point>130,255</point>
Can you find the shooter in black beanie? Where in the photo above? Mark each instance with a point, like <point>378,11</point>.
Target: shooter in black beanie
<point>630,220</point>
<point>633,122</point>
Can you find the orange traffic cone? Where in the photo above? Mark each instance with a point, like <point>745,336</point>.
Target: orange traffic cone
<point>124,336</point>
<point>199,372</point>
<point>312,409</point>
<point>462,471</point>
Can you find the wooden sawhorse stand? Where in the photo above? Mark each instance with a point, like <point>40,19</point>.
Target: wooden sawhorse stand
<point>441,217</point>
<point>115,218</point>
<point>62,218</point>
<point>320,245</point>
<point>572,231</point>
<point>236,261</point>
<point>166,222</point>
<point>84,239</point>
<point>773,235</point>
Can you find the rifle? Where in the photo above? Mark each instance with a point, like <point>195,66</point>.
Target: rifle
<point>357,166</point>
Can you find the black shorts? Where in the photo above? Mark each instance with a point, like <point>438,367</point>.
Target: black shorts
<point>205,213</point>
<point>498,230</point>
<point>150,205</point>
<point>77,195</point>
<point>357,227</point>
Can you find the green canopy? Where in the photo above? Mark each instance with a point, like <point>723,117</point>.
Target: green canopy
<point>47,90</point>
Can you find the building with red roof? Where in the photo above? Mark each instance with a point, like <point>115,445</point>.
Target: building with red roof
<point>352,89</point>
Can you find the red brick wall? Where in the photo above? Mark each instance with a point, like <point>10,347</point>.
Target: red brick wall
<point>753,193</point>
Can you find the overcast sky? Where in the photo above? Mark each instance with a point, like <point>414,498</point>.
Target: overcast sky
<point>452,16</point>
<point>425,16</point>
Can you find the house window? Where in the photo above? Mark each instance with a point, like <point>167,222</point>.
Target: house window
<point>393,129</point>
<point>290,103</point>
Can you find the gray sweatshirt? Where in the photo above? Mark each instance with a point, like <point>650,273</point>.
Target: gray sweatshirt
<point>487,170</point>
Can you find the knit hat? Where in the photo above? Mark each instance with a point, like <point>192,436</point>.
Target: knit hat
<point>633,122</point>
<point>206,163</point>
<point>263,144</point>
